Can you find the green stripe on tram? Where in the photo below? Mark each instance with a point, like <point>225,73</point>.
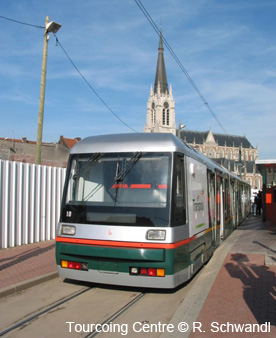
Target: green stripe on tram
<point>199,225</point>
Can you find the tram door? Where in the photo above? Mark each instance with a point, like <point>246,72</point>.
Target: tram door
<point>214,200</point>
<point>227,203</point>
<point>218,207</point>
<point>212,205</point>
<point>222,206</point>
<point>232,204</point>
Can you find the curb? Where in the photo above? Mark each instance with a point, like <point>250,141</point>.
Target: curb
<point>14,288</point>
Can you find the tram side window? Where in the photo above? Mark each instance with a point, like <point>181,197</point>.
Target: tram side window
<point>179,192</point>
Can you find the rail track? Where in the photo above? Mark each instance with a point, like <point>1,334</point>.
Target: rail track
<point>21,324</point>
<point>42,312</point>
<point>116,315</point>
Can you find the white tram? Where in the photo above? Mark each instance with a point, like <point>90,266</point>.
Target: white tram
<point>144,210</point>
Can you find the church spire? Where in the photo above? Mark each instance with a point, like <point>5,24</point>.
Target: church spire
<point>160,105</point>
<point>161,76</point>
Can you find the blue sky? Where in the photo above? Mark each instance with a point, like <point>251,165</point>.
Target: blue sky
<point>228,48</point>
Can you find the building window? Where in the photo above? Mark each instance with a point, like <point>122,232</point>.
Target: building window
<point>211,153</point>
<point>166,115</point>
<point>153,116</point>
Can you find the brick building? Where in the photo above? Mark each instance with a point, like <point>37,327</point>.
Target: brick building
<point>24,150</point>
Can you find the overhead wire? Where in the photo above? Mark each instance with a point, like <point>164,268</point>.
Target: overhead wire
<point>21,23</point>
<point>153,24</point>
<point>76,68</point>
<point>89,85</point>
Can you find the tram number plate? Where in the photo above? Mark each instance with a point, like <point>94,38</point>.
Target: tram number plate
<point>107,266</point>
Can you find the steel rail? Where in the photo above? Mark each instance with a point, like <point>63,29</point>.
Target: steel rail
<point>47,309</point>
<point>116,314</point>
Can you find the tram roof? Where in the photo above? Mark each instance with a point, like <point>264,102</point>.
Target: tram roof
<point>144,142</point>
<point>128,143</point>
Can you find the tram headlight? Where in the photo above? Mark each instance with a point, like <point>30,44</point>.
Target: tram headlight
<point>156,235</point>
<point>68,230</point>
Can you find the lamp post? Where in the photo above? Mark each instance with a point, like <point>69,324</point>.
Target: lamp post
<point>180,126</point>
<point>49,27</point>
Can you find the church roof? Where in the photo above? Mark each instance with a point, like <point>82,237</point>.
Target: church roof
<point>161,76</point>
<point>200,137</point>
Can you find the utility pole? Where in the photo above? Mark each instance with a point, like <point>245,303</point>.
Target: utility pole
<point>180,126</point>
<point>52,27</point>
<point>42,94</point>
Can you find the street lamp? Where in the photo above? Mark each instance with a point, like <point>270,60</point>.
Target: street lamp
<point>180,126</point>
<point>50,27</point>
<point>53,27</point>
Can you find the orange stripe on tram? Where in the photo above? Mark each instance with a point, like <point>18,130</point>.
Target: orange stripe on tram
<point>123,244</point>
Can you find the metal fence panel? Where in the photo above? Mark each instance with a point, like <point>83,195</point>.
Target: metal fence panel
<point>30,198</point>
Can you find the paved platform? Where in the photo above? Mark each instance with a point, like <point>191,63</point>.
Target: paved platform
<point>26,265</point>
<point>237,285</point>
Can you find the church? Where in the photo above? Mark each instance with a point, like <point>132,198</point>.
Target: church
<point>235,153</point>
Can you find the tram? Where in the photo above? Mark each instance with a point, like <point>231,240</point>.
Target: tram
<point>144,210</point>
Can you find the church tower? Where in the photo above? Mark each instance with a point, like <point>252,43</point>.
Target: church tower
<point>160,106</point>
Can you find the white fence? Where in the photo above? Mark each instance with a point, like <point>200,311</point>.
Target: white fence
<point>30,197</point>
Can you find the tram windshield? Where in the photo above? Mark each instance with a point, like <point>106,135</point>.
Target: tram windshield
<point>118,189</point>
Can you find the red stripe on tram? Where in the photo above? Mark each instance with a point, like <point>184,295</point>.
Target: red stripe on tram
<point>140,186</point>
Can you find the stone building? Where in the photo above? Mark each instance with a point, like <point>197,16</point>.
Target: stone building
<point>233,152</point>
<point>160,106</point>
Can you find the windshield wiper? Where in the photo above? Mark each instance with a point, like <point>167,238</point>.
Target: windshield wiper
<point>92,160</point>
<point>120,175</point>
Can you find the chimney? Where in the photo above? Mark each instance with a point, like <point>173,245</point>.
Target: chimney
<point>60,139</point>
